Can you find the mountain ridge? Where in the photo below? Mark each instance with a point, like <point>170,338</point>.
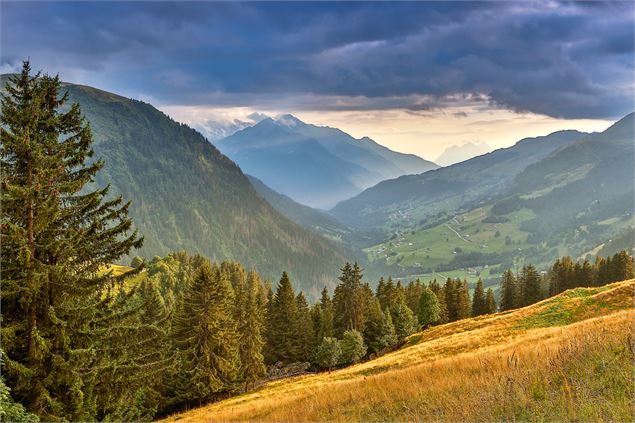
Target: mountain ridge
<point>315,165</point>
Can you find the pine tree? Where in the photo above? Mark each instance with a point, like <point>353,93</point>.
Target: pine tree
<point>440,294</point>
<point>347,301</point>
<point>428,309</point>
<point>250,331</point>
<point>305,336</point>
<point>57,236</point>
<point>531,280</point>
<point>508,291</point>
<point>622,264</point>
<point>283,320</point>
<point>413,293</point>
<point>464,306</point>
<point>206,335</point>
<point>479,305</point>
<point>490,302</point>
<point>451,296</point>
<point>325,329</point>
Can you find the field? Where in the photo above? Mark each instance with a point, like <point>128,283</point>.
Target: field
<point>465,233</point>
<point>569,357</point>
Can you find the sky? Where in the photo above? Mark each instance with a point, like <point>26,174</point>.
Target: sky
<point>414,76</point>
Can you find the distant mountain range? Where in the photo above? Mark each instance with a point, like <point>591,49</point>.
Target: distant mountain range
<point>459,153</point>
<point>568,193</point>
<point>414,199</point>
<point>313,165</point>
<point>186,195</point>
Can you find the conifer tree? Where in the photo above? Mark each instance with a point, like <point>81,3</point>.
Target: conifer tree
<point>428,309</point>
<point>413,293</point>
<point>305,336</point>
<point>464,306</point>
<point>347,301</point>
<point>451,296</point>
<point>325,329</point>
<point>440,294</point>
<point>531,281</point>
<point>379,332</point>
<point>508,291</point>
<point>251,340</point>
<point>283,329</point>
<point>57,236</point>
<point>479,302</point>
<point>206,335</point>
<point>490,302</point>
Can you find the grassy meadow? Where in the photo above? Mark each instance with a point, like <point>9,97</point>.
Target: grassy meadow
<point>569,357</point>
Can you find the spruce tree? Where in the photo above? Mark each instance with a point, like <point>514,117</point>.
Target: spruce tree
<point>251,340</point>
<point>479,304</point>
<point>305,337</point>
<point>206,335</point>
<point>325,329</point>
<point>508,291</point>
<point>57,236</point>
<point>464,306</point>
<point>428,309</point>
<point>347,300</point>
<point>490,302</point>
<point>283,320</point>
<point>531,280</point>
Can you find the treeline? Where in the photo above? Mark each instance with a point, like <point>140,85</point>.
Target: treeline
<point>357,322</point>
<point>529,286</point>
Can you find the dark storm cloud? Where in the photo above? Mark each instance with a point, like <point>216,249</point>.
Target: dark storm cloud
<point>560,59</point>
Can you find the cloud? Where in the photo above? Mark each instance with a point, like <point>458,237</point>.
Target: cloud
<point>561,59</point>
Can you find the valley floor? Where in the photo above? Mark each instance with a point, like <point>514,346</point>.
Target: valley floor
<point>569,358</point>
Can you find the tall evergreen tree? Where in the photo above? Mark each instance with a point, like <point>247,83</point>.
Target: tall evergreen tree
<point>305,336</point>
<point>428,309</point>
<point>531,281</point>
<point>325,329</point>
<point>347,300</point>
<point>251,339</point>
<point>464,306</point>
<point>283,329</point>
<point>508,291</point>
<point>206,335</point>
<point>479,304</point>
<point>490,302</point>
<point>57,236</point>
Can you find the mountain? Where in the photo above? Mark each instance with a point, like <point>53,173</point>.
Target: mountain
<point>573,201</point>
<point>412,200</point>
<point>305,216</point>
<point>186,195</point>
<point>460,153</point>
<point>316,166</point>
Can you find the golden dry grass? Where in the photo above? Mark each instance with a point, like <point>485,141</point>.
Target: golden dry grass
<point>566,358</point>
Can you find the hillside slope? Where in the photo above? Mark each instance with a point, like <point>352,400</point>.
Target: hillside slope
<point>573,200</point>
<point>186,195</point>
<point>407,201</point>
<point>314,165</point>
<point>569,357</point>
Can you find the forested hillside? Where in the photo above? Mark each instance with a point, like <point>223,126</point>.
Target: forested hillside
<point>415,200</point>
<point>186,195</point>
<point>572,202</point>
